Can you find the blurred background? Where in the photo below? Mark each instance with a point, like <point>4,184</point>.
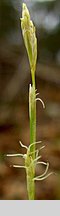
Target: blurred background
<point>14,85</point>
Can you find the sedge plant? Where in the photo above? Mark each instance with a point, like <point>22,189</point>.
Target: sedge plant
<point>32,157</point>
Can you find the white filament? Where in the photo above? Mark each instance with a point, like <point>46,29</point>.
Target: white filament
<point>22,145</point>
<point>39,99</point>
<point>40,179</point>
<point>14,155</point>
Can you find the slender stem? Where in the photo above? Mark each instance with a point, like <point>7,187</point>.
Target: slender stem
<point>33,127</point>
<point>30,188</point>
<point>33,118</point>
<point>31,170</point>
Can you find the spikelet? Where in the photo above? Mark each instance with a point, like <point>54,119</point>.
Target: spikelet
<point>30,40</point>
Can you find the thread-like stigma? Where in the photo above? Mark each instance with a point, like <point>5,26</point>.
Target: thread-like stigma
<point>37,158</point>
<point>18,166</point>
<point>47,166</point>
<point>34,143</point>
<point>22,145</point>
<point>15,155</point>
<point>39,99</point>
<point>38,178</point>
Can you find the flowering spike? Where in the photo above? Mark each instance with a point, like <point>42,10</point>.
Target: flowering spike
<point>30,40</point>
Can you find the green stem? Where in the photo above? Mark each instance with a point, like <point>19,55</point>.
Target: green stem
<point>33,127</point>
<point>33,117</point>
<point>30,175</point>
<point>30,187</point>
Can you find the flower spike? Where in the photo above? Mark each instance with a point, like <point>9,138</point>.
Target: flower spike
<point>29,35</point>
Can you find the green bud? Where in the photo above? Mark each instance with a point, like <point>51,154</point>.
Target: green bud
<point>30,40</point>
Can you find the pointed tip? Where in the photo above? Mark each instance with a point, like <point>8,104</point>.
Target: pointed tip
<point>24,6</point>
